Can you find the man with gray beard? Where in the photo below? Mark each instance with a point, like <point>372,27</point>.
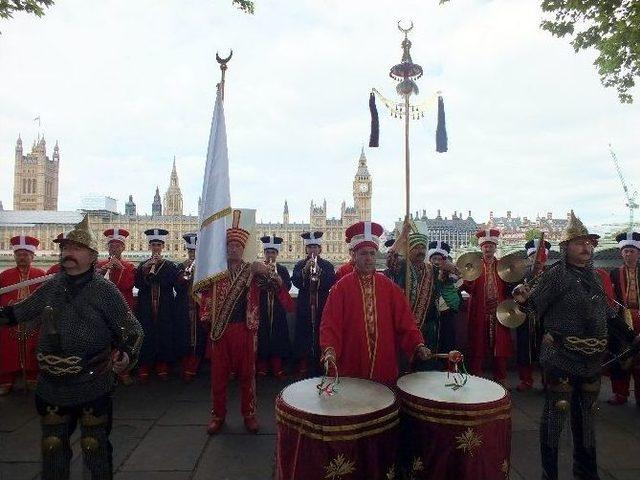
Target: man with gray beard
<point>573,301</point>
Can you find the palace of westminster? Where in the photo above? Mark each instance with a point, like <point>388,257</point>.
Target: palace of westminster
<point>35,202</point>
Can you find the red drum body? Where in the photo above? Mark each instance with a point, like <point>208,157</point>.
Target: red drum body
<point>447,434</point>
<point>352,434</point>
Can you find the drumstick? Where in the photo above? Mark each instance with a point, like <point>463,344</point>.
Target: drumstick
<point>449,355</point>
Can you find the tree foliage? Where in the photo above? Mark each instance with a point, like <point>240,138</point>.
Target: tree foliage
<point>611,27</point>
<point>36,7</point>
<point>246,6</point>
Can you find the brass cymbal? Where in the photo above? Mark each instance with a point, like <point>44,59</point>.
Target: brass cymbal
<point>509,314</point>
<point>512,267</point>
<point>470,265</point>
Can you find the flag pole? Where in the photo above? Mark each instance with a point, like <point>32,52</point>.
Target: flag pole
<point>223,67</point>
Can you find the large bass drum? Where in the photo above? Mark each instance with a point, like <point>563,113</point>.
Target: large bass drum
<point>352,434</point>
<point>446,433</point>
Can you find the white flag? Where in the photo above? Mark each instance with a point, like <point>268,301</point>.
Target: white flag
<point>211,253</point>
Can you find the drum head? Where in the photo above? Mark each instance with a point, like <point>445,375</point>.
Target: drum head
<point>354,397</point>
<point>431,386</point>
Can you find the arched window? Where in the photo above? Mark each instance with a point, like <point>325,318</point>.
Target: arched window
<point>24,185</point>
<point>29,185</point>
<point>35,190</point>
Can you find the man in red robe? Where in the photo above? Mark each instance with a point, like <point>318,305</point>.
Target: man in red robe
<point>488,338</point>
<point>18,344</point>
<point>367,318</point>
<point>114,268</point>
<point>626,284</point>
<point>233,328</point>
<point>121,273</point>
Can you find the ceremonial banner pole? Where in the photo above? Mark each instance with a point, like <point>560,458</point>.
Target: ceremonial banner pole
<point>211,250</point>
<point>406,73</point>
<point>407,162</point>
<point>407,188</point>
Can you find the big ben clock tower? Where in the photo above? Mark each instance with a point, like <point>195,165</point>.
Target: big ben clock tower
<point>362,190</point>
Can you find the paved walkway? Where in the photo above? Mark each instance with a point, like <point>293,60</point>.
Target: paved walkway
<point>159,433</point>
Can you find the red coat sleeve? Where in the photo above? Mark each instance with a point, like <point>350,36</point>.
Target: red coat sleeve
<point>408,336</point>
<point>607,286</point>
<point>285,300</point>
<point>128,277</point>
<point>331,323</point>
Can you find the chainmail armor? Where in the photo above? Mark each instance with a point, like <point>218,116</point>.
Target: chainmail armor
<point>89,321</point>
<point>574,313</point>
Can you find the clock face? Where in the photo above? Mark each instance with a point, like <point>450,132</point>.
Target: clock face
<point>364,187</point>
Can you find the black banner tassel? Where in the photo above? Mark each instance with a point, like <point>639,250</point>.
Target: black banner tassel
<point>441,129</point>
<point>375,125</point>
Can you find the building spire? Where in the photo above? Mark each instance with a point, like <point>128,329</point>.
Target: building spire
<point>173,180</point>
<point>173,195</point>
<point>286,206</point>
<point>363,171</point>
<point>156,206</point>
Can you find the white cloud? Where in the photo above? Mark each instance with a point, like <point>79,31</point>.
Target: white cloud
<point>124,86</point>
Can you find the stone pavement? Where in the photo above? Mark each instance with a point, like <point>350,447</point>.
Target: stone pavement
<point>159,433</point>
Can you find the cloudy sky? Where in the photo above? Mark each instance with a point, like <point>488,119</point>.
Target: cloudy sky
<point>126,85</point>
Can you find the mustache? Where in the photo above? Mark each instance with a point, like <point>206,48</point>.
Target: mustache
<point>64,259</point>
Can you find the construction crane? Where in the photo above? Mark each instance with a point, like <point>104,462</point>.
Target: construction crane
<point>631,198</point>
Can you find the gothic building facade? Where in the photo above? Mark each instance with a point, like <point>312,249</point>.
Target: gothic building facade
<point>35,185</point>
<point>334,247</point>
<point>168,214</point>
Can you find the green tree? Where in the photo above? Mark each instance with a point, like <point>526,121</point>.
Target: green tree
<point>36,7</point>
<point>531,234</point>
<point>611,27</point>
<point>246,6</point>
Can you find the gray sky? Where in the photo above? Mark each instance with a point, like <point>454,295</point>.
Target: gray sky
<point>126,85</point>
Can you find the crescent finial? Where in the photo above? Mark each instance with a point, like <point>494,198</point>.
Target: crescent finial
<point>405,30</point>
<point>223,61</point>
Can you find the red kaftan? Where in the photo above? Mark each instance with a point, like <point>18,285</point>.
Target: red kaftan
<point>12,356</point>
<point>367,320</point>
<point>123,278</point>
<point>487,337</point>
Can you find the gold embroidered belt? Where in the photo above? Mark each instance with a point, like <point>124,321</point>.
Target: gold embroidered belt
<point>585,345</point>
<point>59,366</point>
